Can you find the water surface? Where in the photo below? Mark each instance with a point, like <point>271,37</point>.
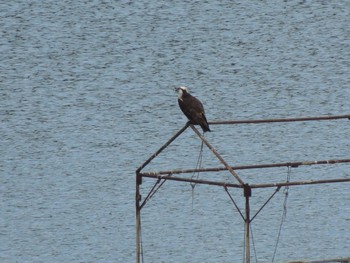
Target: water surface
<point>86,96</point>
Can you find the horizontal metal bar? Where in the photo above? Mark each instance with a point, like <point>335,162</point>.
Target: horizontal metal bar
<point>224,184</point>
<point>321,118</point>
<point>189,180</point>
<point>255,166</point>
<point>334,117</point>
<point>339,260</point>
<point>329,181</point>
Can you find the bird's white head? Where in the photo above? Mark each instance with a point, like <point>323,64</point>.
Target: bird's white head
<point>181,90</point>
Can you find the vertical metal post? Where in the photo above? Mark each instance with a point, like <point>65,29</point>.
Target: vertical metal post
<point>138,218</point>
<point>247,195</point>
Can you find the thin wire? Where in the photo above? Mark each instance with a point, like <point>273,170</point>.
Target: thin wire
<point>159,186</point>
<point>152,192</point>
<point>286,190</point>
<point>233,201</point>
<point>284,215</point>
<point>198,165</point>
<point>268,200</point>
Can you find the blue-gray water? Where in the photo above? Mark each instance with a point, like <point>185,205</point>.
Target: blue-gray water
<point>86,97</point>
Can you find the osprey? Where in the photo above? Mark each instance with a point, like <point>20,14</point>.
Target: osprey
<point>192,108</point>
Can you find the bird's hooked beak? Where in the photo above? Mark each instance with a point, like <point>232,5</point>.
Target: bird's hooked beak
<point>176,89</point>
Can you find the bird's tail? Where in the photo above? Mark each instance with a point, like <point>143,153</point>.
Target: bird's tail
<point>205,127</point>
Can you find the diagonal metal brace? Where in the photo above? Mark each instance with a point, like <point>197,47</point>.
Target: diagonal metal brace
<point>228,167</point>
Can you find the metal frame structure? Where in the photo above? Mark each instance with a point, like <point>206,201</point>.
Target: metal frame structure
<point>247,188</point>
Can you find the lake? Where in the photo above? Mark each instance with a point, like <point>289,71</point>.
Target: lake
<point>86,91</point>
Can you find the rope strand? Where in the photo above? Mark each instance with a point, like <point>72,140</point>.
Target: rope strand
<point>284,215</point>
<point>198,165</point>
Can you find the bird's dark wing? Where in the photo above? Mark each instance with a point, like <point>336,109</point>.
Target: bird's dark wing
<point>194,111</point>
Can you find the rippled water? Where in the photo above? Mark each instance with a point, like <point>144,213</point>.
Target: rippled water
<point>86,97</point>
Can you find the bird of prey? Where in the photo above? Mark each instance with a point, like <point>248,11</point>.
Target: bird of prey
<point>192,108</point>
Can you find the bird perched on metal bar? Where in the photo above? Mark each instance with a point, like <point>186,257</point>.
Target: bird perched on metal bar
<point>192,108</point>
